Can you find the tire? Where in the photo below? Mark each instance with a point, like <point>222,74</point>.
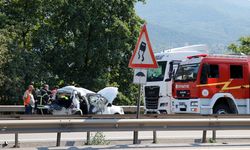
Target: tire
<point>78,113</point>
<point>84,107</point>
<point>222,109</point>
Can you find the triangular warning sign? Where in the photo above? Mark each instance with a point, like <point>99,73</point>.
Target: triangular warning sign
<point>143,55</point>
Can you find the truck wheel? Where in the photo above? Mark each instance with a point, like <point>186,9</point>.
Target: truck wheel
<point>222,109</point>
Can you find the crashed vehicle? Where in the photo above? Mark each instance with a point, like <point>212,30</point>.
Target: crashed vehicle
<point>76,100</point>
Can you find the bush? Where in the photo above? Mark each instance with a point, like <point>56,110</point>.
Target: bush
<point>98,139</point>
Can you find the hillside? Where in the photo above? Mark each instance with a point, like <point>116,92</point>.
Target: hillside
<point>173,23</point>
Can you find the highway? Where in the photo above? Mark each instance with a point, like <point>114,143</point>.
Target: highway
<point>169,139</point>
<point>32,131</point>
<point>114,136</point>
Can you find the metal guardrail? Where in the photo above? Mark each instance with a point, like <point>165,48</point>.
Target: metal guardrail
<point>87,125</point>
<point>83,125</point>
<point>12,108</point>
<point>21,109</point>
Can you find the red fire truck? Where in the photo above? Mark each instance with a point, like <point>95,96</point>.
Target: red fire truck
<point>212,84</point>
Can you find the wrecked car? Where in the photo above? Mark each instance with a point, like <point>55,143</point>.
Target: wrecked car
<point>76,100</point>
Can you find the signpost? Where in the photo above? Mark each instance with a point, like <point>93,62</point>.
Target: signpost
<point>142,58</point>
<point>143,55</point>
<point>140,76</point>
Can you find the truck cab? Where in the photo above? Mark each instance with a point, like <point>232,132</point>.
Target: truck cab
<point>212,84</point>
<point>158,89</point>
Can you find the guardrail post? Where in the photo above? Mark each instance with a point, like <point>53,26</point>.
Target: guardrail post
<point>58,139</point>
<point>214,135</point>
<point>88,138</point>
<point>16,141</point>
<point>204,136</point>
<point>135,140</point>
<point>154,137</point>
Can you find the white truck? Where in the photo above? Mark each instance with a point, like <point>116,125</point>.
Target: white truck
<point>158,89</point>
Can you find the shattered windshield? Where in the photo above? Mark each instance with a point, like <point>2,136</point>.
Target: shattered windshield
<point>97,103</point>
<point>157,74</point>
<point>187,72</point>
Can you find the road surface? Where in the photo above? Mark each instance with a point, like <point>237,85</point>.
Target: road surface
<point>121,140</point>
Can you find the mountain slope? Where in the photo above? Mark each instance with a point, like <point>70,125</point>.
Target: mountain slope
<point>173,23</point>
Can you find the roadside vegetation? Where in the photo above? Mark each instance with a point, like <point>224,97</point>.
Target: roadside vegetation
<point>67,42</point>
<point>243,46</point>
<point>98,139</point>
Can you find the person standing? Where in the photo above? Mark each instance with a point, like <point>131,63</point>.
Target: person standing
<point>28,100</point>
<point>53,92</point>
<point>45,92</point>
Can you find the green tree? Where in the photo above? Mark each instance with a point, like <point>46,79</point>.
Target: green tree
<point>88,43</point>
<point>242,47</point>
<point>3,54</point>
<point>19,19</point>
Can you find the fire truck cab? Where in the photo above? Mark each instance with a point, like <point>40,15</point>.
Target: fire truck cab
<point>158,89</point>
<point>212,84</point>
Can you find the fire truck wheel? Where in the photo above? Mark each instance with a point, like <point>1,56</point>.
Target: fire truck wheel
<point>221,109</point>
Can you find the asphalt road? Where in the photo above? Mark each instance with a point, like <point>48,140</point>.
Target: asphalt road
<point>123,140</point>
<point>149,147</point>
<point>36,137</point>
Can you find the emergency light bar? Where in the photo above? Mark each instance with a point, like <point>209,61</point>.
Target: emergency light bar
<point>197,56</point>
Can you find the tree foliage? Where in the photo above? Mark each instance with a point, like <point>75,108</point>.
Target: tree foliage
<point>60,42</point>
<point>242,47</point>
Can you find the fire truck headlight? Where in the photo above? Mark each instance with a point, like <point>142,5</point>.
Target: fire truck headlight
<point>194,103</point>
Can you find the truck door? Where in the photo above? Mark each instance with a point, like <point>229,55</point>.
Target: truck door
<point>211,75</point>
<point>239,81</point>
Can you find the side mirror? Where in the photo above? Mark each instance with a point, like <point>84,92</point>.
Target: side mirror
<point>109,105</point>
<point>170,73</point>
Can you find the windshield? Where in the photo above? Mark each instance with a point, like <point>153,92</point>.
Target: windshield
<point>97,103</point>
<point>157,74</point>
<point>187,72</point>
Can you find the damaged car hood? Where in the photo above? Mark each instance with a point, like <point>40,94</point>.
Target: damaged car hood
<point>109,93</point>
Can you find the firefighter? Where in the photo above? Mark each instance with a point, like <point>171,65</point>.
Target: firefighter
<point>28,100</point>
<point>45,92</point>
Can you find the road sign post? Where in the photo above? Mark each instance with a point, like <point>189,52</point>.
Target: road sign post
<point>142,58</point>
<point>140,76</point>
